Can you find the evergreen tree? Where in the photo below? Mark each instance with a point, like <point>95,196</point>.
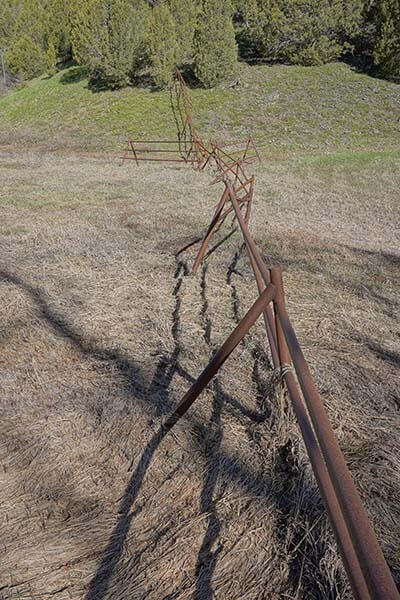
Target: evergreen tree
<point>58,27</point>
<point>185,13</point>
<point>386,52</point>
<point>107,38</point>
<point>51,58</point>
<point>215,47</point>
<point>32,21</point>
<point>25,57</point>
<point>304,31</point>
<point>163,46</point>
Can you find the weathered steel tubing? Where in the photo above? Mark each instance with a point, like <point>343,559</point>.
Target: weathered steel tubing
<point>346,548</point>
<point>244,200</point>
<point>339,526</point>
<point>261,273</point>
<point>220,176</point>
<point>157,150</point>
<point>250,202</point>
<point>215,219</point>
<point>243,185</point>
<point>283,350</point>
<point>157,159</point>
<point>238,161</point>
<point>153,141</point>
<point>134,153</point>
<point>222,354</point>
<point>247,236</point>
<point>246,149</point>
<point>375,569</point>
<point>267,315</point>
<point>255,148</point>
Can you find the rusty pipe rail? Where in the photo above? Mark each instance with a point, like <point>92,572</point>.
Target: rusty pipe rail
<point>222,354</point>
<point>362,556</point>
<point>373,565</point>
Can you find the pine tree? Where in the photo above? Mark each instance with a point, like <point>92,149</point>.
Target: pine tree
<point>185,13</point>
<point>386,52</point>
<point>163,46</point>
<point>215,57</point>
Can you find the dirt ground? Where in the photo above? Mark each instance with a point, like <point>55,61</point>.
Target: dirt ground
<point>103,328</point>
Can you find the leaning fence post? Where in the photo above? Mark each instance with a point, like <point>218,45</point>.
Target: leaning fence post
<point>221,355</point>
<point>279,300</point>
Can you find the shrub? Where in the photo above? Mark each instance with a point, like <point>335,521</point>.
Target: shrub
<point>215,56</point>
<point>25,57</point>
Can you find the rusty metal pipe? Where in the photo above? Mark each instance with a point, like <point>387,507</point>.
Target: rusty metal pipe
<point>261,273</point>
<point>153,141</point>
<point>222,354</point>
<point>157,150</point>
<point>339,526</point>
<point>375,569</point>
<point>283,350</point>
<point>157,159</point>
<point>247,236</point>
<point>210,230</point>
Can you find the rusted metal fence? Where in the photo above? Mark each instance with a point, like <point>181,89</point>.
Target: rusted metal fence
<point>365,565</point>
<point>368,573</point>
<point>189,146</point>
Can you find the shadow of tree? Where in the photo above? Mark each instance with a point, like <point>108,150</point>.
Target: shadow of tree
<point>73,75</point>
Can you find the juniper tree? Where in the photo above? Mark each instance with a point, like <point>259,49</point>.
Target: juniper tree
<point>107,38</point>
<point>185,13</point>
<point>303,31</point>
<point>163,46</point>
<point>26,57</point>
<point>386,52</point>
<point>215,57</point>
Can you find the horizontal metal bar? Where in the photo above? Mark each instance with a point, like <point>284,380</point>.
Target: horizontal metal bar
<point>158,150</point>
<point>153,141</point>
<point>376,572</point>
<point>157,159</point>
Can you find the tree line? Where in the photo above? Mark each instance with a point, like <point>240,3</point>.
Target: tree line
<point>118,41</point>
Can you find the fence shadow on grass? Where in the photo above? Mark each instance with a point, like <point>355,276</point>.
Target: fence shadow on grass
<point>220,466</point>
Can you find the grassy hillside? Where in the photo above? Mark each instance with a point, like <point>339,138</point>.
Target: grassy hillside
<point>287,108</point>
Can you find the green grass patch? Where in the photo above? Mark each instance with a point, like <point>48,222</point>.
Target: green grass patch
<point>287,109</point>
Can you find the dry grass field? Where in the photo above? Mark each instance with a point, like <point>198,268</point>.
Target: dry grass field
<point>102,330</point>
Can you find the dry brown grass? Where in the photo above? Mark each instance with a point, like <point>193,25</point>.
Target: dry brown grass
<point>102,329</point>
